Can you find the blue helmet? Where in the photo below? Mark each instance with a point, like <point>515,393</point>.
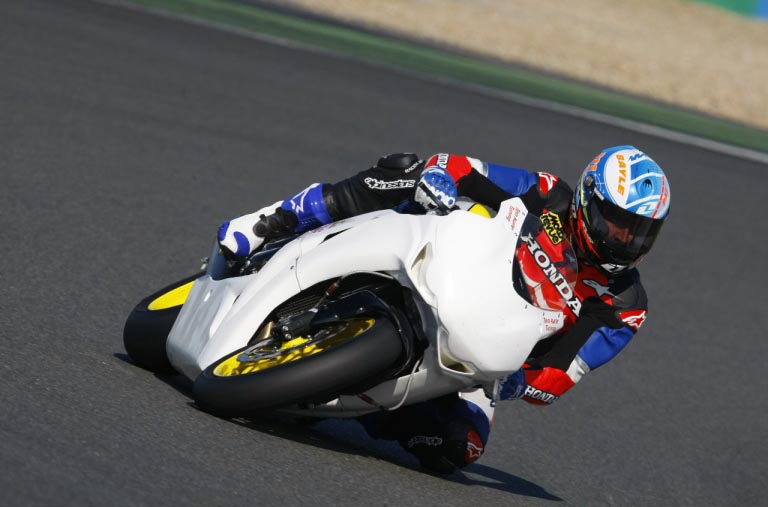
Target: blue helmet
<point>620,203</point>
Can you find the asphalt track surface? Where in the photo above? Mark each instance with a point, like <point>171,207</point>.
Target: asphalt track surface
<point>125,138</point>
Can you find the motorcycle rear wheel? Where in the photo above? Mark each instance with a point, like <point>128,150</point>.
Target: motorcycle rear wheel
<point>268,375</point>
<point>147,327</point>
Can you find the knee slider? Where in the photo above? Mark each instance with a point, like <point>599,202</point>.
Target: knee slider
<point>399,161</point>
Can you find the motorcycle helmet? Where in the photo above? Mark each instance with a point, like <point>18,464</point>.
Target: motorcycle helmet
<point>619,205</point>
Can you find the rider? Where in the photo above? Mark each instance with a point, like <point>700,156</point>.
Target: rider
<point>614,216</point>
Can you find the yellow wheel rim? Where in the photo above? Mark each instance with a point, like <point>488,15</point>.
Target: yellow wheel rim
<point>479,209</point>
<point>247,361</point>
<point>175,297</point>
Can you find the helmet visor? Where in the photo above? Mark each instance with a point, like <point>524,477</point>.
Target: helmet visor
<point>620,236</point>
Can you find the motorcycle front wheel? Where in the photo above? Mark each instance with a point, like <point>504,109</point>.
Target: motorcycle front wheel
<point>147,327</point>
<point>271,374</point>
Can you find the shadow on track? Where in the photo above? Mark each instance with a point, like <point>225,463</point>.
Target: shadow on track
<point>348,436</point>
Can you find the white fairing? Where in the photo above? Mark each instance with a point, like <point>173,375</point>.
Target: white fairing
<point>220,316</point>
<point>384,243</point>
<point>459,267</point>
<point>486,324</point>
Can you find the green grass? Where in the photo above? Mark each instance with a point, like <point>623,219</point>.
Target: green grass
<point>442,63</point>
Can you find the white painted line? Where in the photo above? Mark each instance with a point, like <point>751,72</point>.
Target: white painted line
<point>643,128</point>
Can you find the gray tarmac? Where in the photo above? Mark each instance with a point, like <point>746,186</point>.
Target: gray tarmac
<point>126,138</point>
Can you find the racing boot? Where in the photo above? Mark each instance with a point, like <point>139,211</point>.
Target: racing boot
<point>239,237</point>
<point>302,212</point>
<point>445,434</point>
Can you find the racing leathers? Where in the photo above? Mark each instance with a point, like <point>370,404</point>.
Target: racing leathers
<point>452,431</point>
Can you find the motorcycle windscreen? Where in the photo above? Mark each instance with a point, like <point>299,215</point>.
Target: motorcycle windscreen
<point>546,270</point>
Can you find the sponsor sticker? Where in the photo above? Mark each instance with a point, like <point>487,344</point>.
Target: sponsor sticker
<point>553,324</point>
<point>546,182</point>
<point>474,451</point>
<point>553,227</point>
<point>593,165</point>
<point>613,268</point>
<point>513,215</point>
<point>633,318</point>
<point>474,447</point>
<point>622,175</point>
<point>555,277</point>
<point>425,440</point>
<point>601,289</point>
<point>413,166</point>
<point>375,184</point>
<point>538,394</point>
<point>442,160</point>
<point>297,201</point>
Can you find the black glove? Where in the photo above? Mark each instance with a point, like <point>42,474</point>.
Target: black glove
<point>280,223</point>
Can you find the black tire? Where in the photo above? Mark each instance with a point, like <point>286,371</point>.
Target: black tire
<point>146,331</point>
<point>322,376</point>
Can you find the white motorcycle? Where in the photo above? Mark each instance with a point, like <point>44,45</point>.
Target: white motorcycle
<point>368,313</point>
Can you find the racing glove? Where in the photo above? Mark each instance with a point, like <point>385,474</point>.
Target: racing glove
<point>436,190</point>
